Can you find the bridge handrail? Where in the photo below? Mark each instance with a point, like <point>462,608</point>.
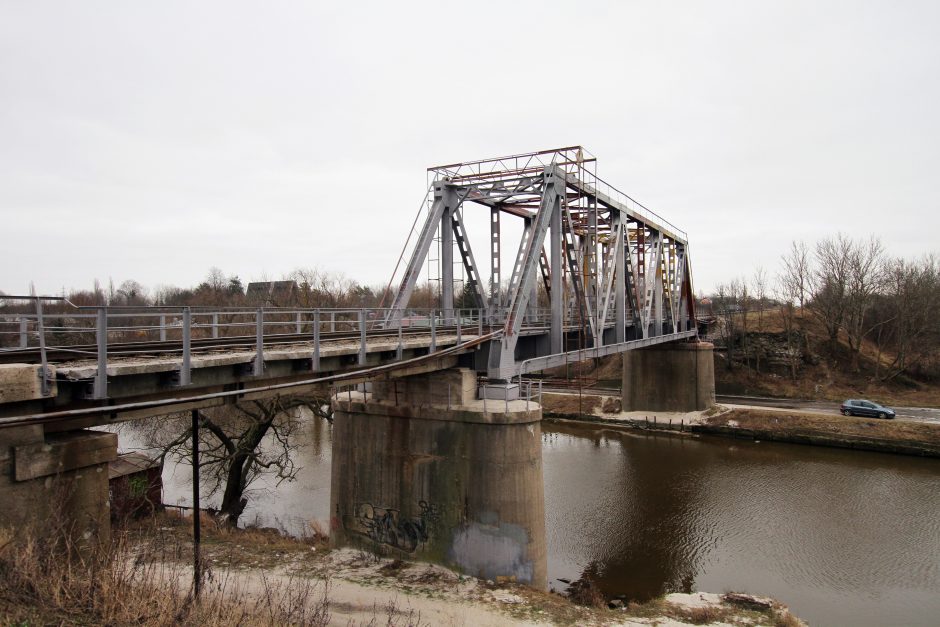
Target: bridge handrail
<point>356,375</point>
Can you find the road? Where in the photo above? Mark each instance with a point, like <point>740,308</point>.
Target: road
<point>913,414</point>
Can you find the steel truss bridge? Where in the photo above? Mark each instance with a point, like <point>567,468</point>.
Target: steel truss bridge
<point>600,262</point>
<point>595,273</point>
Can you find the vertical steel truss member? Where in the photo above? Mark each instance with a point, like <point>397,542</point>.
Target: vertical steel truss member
<point>447,261</point>
<point>629,277</point>
<point>473,274</point>
<point>613,259</point>
<point>669,283</point>
<point>652,285</point>
<point>495,278</point>
<point>556,293</point>
<point>502,361</point>
<point>574,271</point>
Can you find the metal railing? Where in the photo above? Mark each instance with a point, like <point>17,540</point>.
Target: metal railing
<point>101,332</point>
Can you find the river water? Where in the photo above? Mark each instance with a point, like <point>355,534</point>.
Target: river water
<point>843,537</point>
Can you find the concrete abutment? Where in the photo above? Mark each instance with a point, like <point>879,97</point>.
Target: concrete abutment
<point>676,377</point>
<point>422,471</point>
<point>51,482</point>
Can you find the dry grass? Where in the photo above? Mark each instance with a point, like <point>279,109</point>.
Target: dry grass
<point>786,619</point>
<point>572,404</point>
<point>704,615</point>
<point>804,423</point>
<point>586,592</point>
<point>52,580</point>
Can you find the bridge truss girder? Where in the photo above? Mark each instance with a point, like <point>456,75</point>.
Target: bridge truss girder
<point>640,290</point>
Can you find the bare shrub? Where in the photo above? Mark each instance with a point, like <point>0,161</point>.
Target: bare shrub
<point>704,615</point>
<point>585,591</point>
<point>53,580</point>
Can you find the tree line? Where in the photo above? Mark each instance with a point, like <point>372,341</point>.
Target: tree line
<point>856,291</point>
<point>311,288</point>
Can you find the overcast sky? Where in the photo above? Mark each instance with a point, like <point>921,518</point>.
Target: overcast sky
<point>152,142</point>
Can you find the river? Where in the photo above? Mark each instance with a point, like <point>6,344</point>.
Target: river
<point>843,537</point>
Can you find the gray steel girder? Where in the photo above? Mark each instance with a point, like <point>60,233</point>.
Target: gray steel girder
<point>469,264</point>
<point>502,363</point>
<point>443,196</point>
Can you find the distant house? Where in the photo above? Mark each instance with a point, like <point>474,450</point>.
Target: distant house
<point>272,293</point>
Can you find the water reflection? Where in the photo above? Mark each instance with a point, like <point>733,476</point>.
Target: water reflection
<point>845,538</point>
<point>288,505</point>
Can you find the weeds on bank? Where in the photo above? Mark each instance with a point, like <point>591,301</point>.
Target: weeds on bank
<point>54,579</point>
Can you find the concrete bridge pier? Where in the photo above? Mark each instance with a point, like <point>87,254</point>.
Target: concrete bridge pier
<point>56,481</point>
<point>422,471</point>
<point>676,377</point>
<point>51,480</point>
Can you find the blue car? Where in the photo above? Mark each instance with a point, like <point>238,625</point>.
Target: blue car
<point>860,407</point>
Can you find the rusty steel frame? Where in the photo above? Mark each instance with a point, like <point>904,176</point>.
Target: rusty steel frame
<point>626,268</point>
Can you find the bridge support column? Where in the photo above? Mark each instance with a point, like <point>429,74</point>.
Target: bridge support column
<point>422,472</point>
<point>669,377</point>
<point>56,479</point>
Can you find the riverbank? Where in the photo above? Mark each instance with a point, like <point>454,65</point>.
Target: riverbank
<point>262,577</point>
<point>364,589</point>
<point>745,422</point>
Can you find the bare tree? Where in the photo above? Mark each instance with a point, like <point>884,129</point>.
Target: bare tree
<point>908,308</point>
<point>240,442</point>
<point>131,292</point>
<point>830,284</point>
<point>797,271</point>
<point>726,305</point>
<point>865,279</point>
<point>787,292</point>
<point>322,289</point>
<point>759,284</point>
<point>740,287</point>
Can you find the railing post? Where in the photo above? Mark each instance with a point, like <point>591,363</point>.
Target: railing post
<point>316,341</point>
<point>163,327</point>
<point>101,336</point>
<point>259,342</point>
<point>362,337</point>
<point>332,322</point>
<point>433,334</point>
<point>215,326</point>
<point>458,326</point>
<point>479,322</point>
<point>41,328</point>
<point>186,369</point>
<point>298,324</point>
<point>24,332</point>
